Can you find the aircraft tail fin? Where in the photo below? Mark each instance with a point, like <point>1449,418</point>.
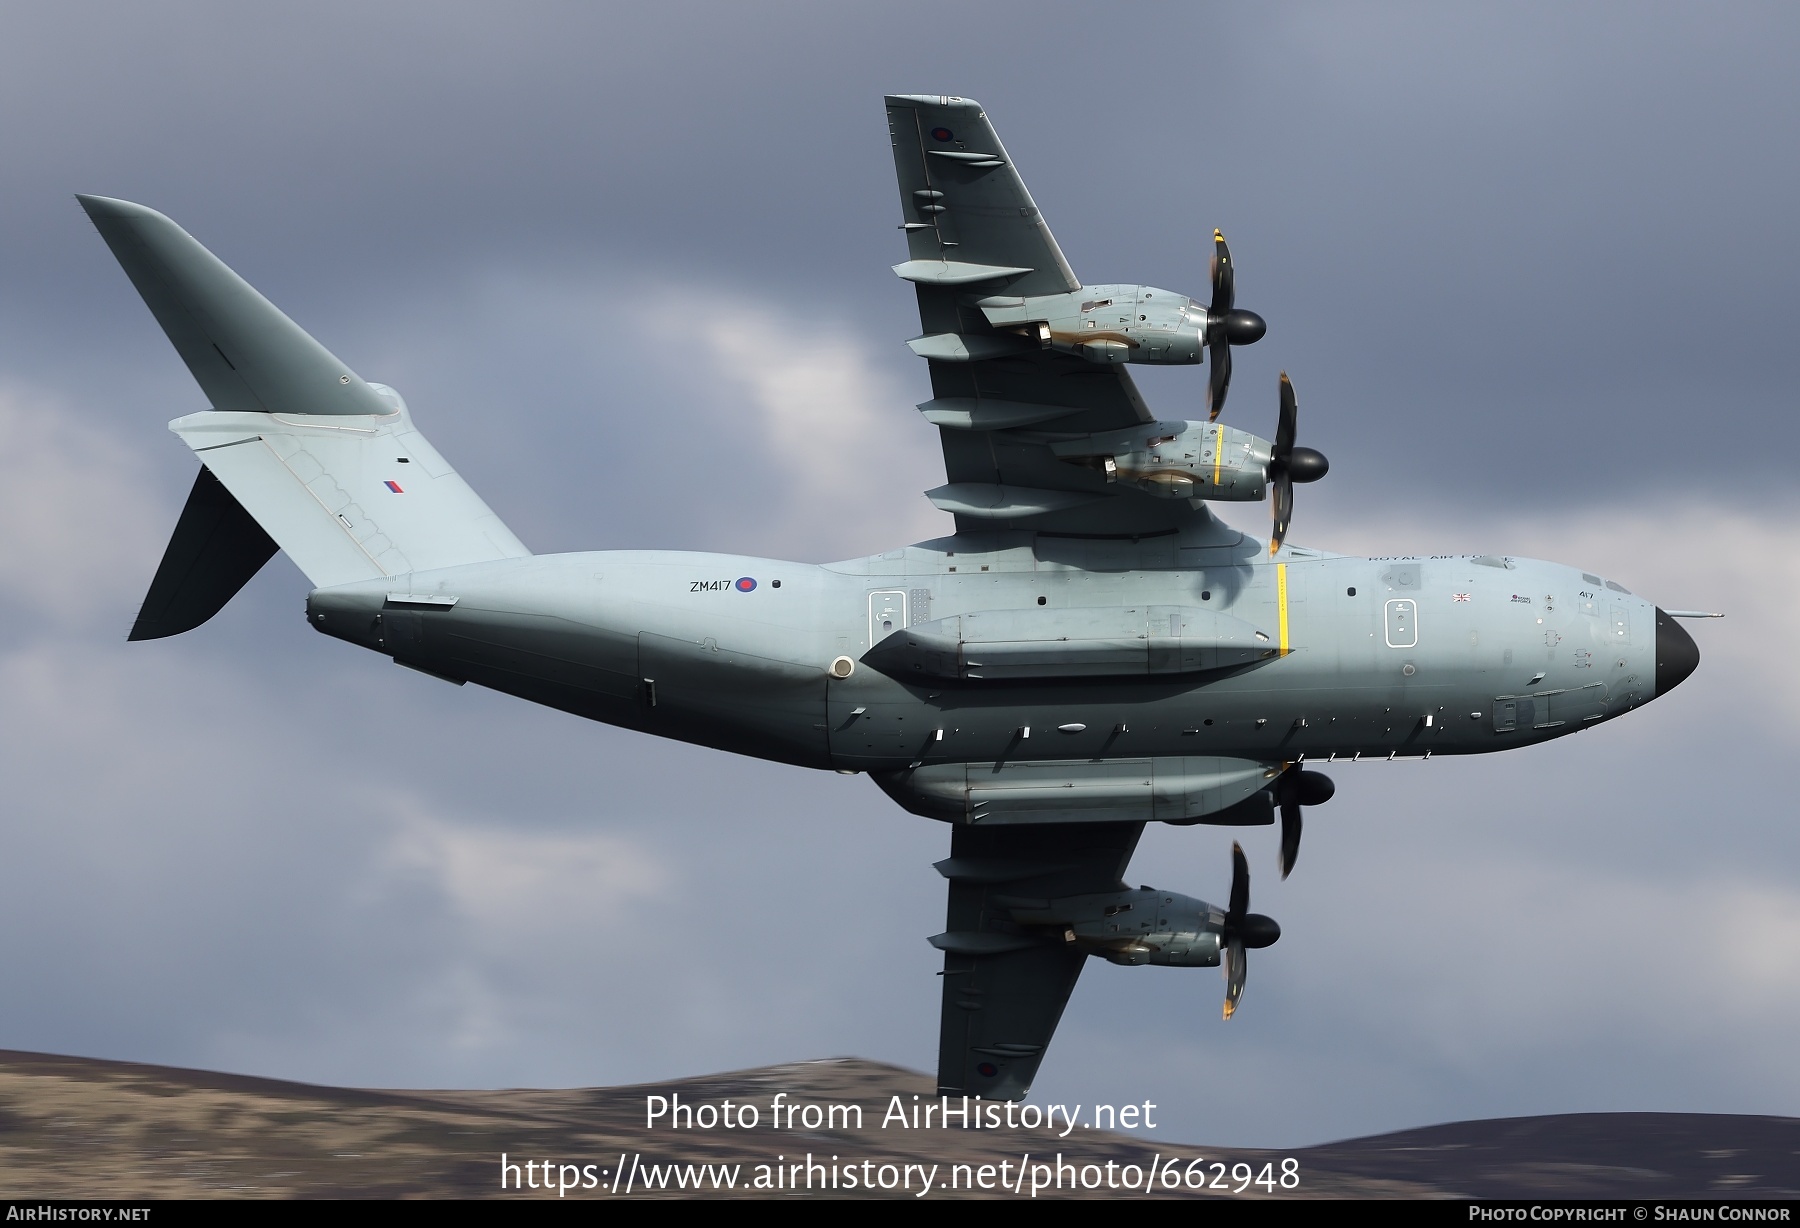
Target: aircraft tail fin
<point>302,450</point>
<point>245,354</point>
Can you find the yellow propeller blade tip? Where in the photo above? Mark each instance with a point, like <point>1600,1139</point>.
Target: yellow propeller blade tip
<point>1218,235</point>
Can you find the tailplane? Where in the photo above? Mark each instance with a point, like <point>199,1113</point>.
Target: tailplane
<point>216,549</point>
<point>299,452</point>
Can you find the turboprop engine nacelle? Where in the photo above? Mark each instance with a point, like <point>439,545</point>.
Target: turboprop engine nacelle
<point>1145,926</point>
<point>1178,460</point>
<point>1122,323</point>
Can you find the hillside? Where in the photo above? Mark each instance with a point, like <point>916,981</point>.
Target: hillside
<point>76,1127</point>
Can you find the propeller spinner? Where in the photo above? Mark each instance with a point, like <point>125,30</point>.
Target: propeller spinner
<point>1225,327</point>
<point>1293,789</point>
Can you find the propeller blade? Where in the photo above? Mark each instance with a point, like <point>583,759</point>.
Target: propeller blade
<point>1241,929</point>
<point>1281,506</point>
<point>1287,424</point>
<point>1297,788</point>
<point>1218,353</point>
<point>1225,326</point>
<point>1240,887</point>
<point>1234,975</point>
<point>1224,280</point>
<point>1281,465</point>
<point>1290,836</point>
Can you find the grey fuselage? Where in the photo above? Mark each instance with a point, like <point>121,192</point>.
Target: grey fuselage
<point>1451,654</point>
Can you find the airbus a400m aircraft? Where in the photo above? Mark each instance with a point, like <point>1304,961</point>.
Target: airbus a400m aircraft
<point>1091,650</point>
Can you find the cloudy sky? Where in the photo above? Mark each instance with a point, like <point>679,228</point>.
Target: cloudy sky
<point>1533,270</point>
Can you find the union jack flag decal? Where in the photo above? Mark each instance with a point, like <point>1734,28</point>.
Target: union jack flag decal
<point>1460,597</point>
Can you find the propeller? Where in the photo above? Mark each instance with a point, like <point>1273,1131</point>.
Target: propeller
<point>1288,464</point>
<point>1243,929</point>
<point>1293,789</point>
<point>1225,327</point>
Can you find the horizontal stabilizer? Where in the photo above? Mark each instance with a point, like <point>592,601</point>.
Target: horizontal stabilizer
<point>216,548</point>
<point>245,354</point>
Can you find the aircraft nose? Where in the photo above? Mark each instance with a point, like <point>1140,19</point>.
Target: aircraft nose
<point>1677,655</point>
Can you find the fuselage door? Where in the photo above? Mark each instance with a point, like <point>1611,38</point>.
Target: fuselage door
<point>887,614</point>
<point>1402,623</point>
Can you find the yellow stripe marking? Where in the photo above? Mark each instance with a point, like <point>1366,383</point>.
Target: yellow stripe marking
<point>1218,454</point>
<point>1281,600</point>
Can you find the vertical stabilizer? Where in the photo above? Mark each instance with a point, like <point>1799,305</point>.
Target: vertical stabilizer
<point>306,454</point>
<point>349,498</point>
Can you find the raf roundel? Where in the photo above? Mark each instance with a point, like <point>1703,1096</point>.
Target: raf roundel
<point>745,584</point>
<point>942,134</point>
